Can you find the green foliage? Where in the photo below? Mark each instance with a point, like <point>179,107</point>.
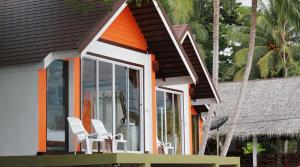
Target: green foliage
<point>248,149</point>
<point>277,42</point>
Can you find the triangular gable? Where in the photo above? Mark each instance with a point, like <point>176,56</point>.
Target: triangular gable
<point>125,31</point>
<point>204,89</point>
<point>161,41</point>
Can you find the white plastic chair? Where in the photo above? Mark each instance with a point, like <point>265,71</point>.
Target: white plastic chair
<point>81,134</point>
<point>166,146</point>
<point>103,134</point>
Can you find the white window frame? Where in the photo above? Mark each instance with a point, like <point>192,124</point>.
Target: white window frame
<point>177,92</point>
<point>113,63</point>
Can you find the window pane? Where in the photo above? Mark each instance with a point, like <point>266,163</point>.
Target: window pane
<point>121,95</point>
<point>56,105</point>
<point>177,108</point>
<point>134,110</point>
<point>170,118</point>
<point>160,107</point>
<point>88,92</point>
<point>105,95</point>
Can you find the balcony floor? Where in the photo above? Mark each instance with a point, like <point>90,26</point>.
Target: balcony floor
<point>121,160</point>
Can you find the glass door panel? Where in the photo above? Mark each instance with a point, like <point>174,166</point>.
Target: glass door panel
<point>169,124</point>
<point>160,106</point>
<point>116,100</point>
<point>134,110</point>
<point>178,124</point>
<point>121,106</point>
<point>105,78</point>
<point>57,106</point>
<point>89,94</point>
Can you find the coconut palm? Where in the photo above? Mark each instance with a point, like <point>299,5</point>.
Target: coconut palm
<point>246,75</point>
<point>216,17</point>
<point>277,44</point>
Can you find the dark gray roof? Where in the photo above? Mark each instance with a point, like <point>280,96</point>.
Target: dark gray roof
<point>30,29</point>
<point>271,107</point>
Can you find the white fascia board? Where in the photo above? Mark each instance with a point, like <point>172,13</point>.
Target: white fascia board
<point>60,55</point>
<point>104,28</point>
<point>117,52</point>
<point>206,101</point>
<point>174,81</point>
<point>188,34</point>
<point>174,40</point>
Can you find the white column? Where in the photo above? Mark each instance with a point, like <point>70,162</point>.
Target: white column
<point>254,152</point>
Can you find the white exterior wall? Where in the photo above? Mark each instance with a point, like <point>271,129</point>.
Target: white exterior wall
<point>19,110</point>
<point>186,114</point>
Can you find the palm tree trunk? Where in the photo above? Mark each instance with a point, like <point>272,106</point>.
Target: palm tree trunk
<point>216,16</point>
<point>243,88</point>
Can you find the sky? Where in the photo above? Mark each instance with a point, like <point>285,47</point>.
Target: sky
<point>245,2</point>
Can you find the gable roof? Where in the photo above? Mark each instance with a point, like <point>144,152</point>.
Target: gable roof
<point>29,30</point>
<point>271,107</point>
<point>204,88</point>
<point>32,29</point>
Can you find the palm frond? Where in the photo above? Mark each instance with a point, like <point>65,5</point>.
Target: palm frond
<point>181,10</point>
<point>199,30</point>
<point>240,57</point>
<point>265,63</point>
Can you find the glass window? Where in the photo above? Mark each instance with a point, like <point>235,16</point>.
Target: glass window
<point>105,94</point>
<point>169,124</point>
<point>57,102</point>
<point>88,93</point>
<point>119,99</point>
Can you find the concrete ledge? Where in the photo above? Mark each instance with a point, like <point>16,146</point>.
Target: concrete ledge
<point>122,159</point>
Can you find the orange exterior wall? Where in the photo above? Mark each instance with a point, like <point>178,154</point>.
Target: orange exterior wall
<point>154,130</point>
<point>124,30</point>
<point>77,87</point>
<point>42,100</point>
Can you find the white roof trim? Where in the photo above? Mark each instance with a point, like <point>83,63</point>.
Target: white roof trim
<point>174,40</point>
<point>188,34</point>
<point>104,28</point>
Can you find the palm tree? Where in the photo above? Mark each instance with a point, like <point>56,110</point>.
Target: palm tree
<point>216,16</point>
<point>277,44</point>
<point>243,88</point>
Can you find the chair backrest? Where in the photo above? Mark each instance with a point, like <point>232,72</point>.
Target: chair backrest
<point>76,127</point>
<point>99,127</point>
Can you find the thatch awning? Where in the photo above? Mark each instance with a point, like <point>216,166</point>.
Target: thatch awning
<point>271,107</point>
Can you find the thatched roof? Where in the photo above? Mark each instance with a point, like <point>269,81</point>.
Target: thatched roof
<point>271,107</point>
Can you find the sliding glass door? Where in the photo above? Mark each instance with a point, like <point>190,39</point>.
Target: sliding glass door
<point>116,100</point>
<point>169,118</point>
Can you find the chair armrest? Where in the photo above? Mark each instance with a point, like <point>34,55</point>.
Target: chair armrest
<point>80,132</point>
<point>119,134</point>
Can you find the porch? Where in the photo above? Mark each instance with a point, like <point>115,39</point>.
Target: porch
<point>121,159</point>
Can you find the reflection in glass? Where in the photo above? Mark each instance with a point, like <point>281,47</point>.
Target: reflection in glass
<point>88,93</point>
<point>134,110</point>
<point>177,107</point>
<point>195,134</point>
<point>119,115</point>
<point>169,125</point>
<point>160,99</point>
<point>121,89</point>
<point>56,105</point>
<point>105,95</point>
<point>170,118</point>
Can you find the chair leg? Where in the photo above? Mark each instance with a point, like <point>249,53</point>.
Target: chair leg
<point>89,147</point>
<point>75,148</point>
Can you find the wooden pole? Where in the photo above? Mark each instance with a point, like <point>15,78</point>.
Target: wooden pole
<point>254,151</point>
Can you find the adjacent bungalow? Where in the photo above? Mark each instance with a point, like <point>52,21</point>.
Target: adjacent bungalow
<point>122,64</point>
